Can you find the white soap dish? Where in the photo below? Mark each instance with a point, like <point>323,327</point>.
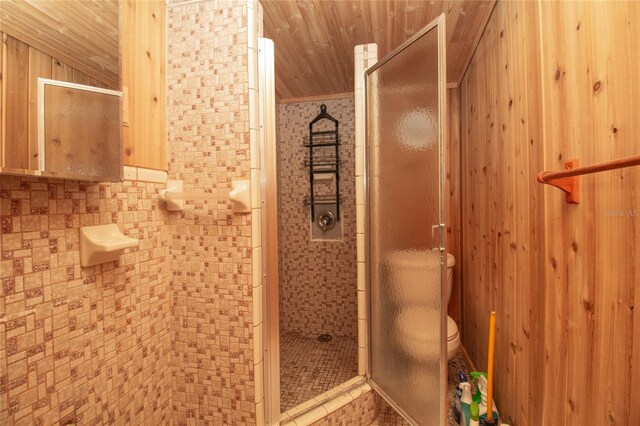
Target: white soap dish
<point>102,243</point>
<point>240,196</point>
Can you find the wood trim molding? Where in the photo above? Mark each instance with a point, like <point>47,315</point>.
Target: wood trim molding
<point>316,98</point>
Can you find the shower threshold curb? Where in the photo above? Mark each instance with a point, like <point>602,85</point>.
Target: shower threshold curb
<point>325,403</point>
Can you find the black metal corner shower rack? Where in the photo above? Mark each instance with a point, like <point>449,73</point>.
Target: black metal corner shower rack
<point>323,161</point>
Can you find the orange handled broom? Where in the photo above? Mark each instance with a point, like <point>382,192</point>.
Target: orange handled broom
<point>492,346</point>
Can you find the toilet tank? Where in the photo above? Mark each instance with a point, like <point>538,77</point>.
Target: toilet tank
<point>415,269</point>
<point>451,262</point>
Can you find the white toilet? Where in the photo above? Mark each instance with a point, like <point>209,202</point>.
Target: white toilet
<point>453,336</point>
<point>414,268</point>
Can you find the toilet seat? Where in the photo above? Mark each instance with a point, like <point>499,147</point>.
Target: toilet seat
<point>452,329</point>
<point>453,338</point>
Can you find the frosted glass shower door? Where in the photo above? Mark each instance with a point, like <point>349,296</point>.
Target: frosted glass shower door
<point>405,104</point>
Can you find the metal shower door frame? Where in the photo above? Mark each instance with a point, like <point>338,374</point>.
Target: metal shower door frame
<point>438,25</point>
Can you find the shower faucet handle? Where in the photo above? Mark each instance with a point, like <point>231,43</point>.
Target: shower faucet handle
<point>326,220</point>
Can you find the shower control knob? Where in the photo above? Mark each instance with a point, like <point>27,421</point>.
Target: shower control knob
<point>326,220</point>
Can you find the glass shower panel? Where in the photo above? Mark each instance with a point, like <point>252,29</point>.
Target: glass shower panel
<point>405,103</point>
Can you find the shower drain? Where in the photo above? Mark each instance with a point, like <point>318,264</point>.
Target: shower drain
<point>324,337</point>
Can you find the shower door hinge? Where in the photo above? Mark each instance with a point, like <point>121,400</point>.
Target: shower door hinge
<point>434,227</point>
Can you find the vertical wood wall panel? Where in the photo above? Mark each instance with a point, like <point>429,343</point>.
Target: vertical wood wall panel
<point>566,127</point>
<point>452,199</point>
<point>144,74</point>
<point>81,78</point>
<point>23,66</point>
<point>17,99</point>
<point>596,99</point>
<point>61,71</point>
<point>529,205</point>
<point>552,81</point>
<point>40,65</point>
<point>2,99</point>
<point>97,83</point>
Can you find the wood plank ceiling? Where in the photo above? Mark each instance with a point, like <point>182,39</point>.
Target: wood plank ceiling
<point>314,39</point>
<point>82,34</point>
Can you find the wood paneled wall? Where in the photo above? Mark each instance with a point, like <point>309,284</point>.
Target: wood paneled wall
<point>452,200</point>
<point>143,74</point>
<point>552,81</point>
<point>145,79</point>
<point>22,66</point>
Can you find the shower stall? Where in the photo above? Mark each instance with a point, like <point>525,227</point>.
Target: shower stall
<point>317,270</point>
<point>345,307</point>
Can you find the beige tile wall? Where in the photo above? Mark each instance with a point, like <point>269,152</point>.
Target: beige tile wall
<point>93,345</point>
<point>211,248</point>
<point>102,344</point>
<point>365,56</point>
<point>362,411</point>
<point>317,278</point>
<point>82,345</point>
<point>256,125</point>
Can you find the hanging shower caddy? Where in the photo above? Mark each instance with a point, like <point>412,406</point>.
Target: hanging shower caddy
<point>324,158</point>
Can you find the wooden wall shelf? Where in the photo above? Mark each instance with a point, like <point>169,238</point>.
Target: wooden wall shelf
<point>567,180</point>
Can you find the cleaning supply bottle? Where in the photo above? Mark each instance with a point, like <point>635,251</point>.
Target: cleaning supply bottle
<point>465,403</point>
<point>462,383</point>
<point>474,413</point>
<point>480,396</point>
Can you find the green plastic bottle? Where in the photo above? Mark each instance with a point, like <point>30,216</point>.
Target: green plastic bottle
<point>480,397</point>
<point>475,376</point>
<point>474,413</point>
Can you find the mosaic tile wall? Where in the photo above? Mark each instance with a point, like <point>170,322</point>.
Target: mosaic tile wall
<point>82,345</point>
<point>360,412</point>
<point>317,278</point>
<point>211,248</point>
<point>365,55</point>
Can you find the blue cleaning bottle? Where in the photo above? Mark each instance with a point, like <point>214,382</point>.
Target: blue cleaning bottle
<point>457,402</point>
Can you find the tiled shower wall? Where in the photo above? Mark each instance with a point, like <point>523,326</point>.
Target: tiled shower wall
<point>211,248</point>
<point>317,278</point>
<point>365,56</point>
<point>82,345</point>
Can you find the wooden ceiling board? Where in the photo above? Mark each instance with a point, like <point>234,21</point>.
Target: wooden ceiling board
<point>82,33</point>
<point>314,39</point>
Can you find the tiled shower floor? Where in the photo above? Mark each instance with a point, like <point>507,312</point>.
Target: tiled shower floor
<point>309,367</point>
